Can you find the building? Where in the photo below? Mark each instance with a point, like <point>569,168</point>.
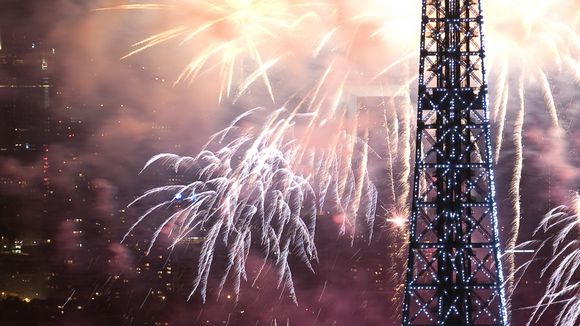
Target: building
<point>26,92</point>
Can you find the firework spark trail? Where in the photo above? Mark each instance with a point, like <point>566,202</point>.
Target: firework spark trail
<point>548,97</point>
<point>389,161</point>
<point>563,287</point>
<point>499,88</point>
<point>248,190</point>
<point>502,108</point>
<point>535,44</point>
<point>515,184</point>
<point>545,42</point>
<point>343,31</point>
<point>361,181</point>
<point>232,32</point>
<point>270,21</point>
<point>407,139</point>
<point>394,128</point>
<point>404,183</point>
<point>347,27</point>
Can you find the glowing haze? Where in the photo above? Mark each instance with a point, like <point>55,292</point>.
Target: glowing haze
<point>309,146</point>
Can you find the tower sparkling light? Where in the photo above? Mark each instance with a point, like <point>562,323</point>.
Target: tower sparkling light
<point>454,272</point>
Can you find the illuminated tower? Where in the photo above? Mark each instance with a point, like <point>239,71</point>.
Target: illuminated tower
<point>454,273</point>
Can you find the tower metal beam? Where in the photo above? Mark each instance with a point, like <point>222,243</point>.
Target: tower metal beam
<point>454,273</point>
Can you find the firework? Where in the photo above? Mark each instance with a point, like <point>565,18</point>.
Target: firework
<point>528,40</point>
<point>243,40</point>
<point>348,43</point>
<point>261,191</point>
<point>563,289</point>
<point>236,35</point>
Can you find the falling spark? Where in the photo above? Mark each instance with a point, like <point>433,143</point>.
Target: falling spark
<point>68,299</point>
<point>390,156</point>
<point>526,42</point>
<point>515,184</point>
<point>563,265</point>
<point>232,32</point>
<point>398,221</point>
<point>261,191</point>
<point>407,139</point>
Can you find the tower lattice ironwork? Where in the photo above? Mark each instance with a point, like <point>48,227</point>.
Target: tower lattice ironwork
<point>454,272</point>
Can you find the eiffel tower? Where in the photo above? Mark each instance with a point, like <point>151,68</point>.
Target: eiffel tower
<point>454,272</point>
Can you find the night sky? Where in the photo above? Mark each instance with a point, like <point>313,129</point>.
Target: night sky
<point>64,190</point>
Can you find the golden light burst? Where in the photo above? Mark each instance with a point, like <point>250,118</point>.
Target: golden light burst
<point>240,39</point>
<point>398,221</point>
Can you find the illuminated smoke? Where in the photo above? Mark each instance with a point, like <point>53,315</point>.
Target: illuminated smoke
<point>366,43</point>
<point>562,265</point>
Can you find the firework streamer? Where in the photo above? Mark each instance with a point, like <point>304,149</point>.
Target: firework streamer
<point>562,225</point>
<point>394,127</point>
<point>536,44</point>
<point>233,33</point>
<point>543,38</point>
<point>390,158</point>
<point>502,104</point>
<point>499,89</point>
<point>258,193</point>
<point>548,98</point>
<point>500,107</point>
<point>515,185</point>
<point>339,32</point>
